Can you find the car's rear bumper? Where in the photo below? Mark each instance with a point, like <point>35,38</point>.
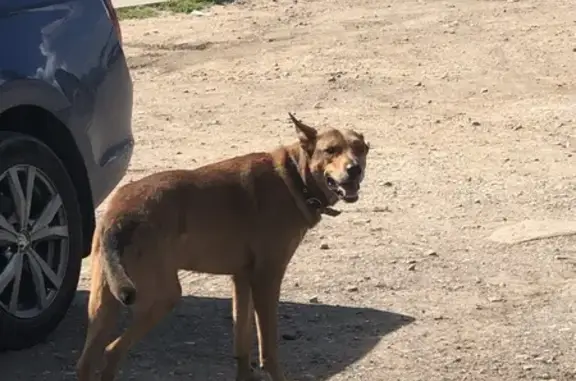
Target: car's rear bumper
<point>110,130</point>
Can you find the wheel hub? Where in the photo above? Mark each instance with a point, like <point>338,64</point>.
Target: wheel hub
<point>23,240</point>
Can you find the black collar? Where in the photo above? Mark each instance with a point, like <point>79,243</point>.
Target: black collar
<point>314,197</point>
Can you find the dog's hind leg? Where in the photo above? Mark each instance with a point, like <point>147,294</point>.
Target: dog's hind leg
<point>103,311</point>
<point>153,305</point>
<point>242,312</point>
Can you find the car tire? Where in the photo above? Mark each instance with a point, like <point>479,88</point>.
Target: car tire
<point>53,234</point>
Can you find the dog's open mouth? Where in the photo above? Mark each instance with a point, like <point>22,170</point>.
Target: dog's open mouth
<point>347,191</point>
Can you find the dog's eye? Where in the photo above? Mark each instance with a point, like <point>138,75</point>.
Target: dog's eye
<point>331,150</point>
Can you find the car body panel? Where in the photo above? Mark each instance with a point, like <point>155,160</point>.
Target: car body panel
<point>65,57</point>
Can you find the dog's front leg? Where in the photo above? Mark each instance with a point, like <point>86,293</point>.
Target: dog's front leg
<point>242,312</point>
<point>266,293</point>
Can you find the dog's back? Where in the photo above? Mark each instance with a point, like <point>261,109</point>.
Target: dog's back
<point>211,220</point>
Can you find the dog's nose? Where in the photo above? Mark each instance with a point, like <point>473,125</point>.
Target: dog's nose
<point>354,171</point>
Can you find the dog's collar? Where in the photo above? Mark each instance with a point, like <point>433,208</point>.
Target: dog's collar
<point>314,198</point>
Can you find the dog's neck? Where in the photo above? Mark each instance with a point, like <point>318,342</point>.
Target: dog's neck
<point>315,199</point>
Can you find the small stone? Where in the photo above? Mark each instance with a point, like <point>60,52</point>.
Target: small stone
<point>388,184</point>
<point>528,367</point>
<point>475,123</point>
<point>324,246</point>
<point>352,289</point>
<point>289,336</point>
<point>317,105</point>
<point>574,49</point>
<point>411,261</point>
<point>484,91</point>
<point>418,84</point>
<point>59,356</point>
<point>412,267</point>
<point>395,106</point>
<point>431,253</point>
<point>496,299</point>
<point>561,257</point>
<point>178,152</point>
<point>296,284</point>
<point>314,300</point>
<point>381,285</point>
<point>380,209</point>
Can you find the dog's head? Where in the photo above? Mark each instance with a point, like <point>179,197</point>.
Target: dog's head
<point>337,159</point>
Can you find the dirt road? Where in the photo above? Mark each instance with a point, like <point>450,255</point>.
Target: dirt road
<point>470,107</point>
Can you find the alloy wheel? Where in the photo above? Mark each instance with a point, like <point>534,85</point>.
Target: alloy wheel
<point>33,241</point>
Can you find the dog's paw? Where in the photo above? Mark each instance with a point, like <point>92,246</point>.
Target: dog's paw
<point>256,375</point>
<point>263,375</point>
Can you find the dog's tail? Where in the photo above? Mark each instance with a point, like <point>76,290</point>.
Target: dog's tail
<point>114,240</point>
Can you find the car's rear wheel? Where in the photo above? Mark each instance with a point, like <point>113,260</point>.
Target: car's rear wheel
<point>40,241</point>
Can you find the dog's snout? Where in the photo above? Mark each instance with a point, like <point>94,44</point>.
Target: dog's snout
<point>354,171</point>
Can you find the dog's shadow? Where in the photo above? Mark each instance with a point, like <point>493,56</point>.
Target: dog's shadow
<point>195,343</point>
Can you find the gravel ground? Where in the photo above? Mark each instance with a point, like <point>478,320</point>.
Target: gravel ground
<point>470,107</point>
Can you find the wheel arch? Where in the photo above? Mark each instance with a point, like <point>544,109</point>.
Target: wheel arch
<point>38,122</point>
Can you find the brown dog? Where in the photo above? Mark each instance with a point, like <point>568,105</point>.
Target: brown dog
<point>243,217</point>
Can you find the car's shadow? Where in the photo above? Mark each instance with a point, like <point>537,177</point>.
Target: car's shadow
<point>195,343</point>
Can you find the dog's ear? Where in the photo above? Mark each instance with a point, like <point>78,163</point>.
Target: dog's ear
<point>366,143</point>
<point>306,134</point>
